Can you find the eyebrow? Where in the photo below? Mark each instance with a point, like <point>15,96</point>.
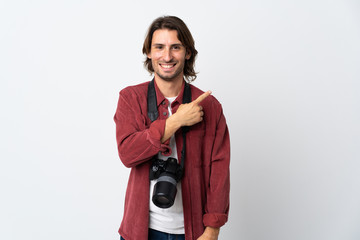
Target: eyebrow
<point>172,45</point>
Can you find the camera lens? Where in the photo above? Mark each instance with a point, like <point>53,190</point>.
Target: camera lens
<point>164,191</point>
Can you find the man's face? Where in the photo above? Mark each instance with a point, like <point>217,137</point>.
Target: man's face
<point>167,55</point>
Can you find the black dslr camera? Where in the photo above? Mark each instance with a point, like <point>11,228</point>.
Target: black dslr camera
<point>168,173</point>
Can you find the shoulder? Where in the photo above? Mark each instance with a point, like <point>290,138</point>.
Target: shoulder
<point>135,93</point>
<point>139,88</point>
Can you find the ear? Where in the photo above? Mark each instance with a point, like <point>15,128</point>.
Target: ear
<point>188,55</point>
<point>148,55</point>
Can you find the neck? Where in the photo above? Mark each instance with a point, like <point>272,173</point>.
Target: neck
<point>169,88</point>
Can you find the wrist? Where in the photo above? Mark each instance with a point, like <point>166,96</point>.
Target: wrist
<point>173,122</point>
<point>171,126</point>
<point>212,232</point>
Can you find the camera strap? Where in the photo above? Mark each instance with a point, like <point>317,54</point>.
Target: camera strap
<point>154,114</point>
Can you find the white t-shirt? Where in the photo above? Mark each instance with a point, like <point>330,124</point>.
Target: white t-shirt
<point>169,220</point>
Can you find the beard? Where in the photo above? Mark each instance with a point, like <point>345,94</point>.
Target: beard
<point>169,77</point>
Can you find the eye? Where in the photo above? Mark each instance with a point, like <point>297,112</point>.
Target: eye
<point>176,47</point>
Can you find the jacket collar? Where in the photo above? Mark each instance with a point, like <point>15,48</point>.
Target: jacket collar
<point>160,97</point>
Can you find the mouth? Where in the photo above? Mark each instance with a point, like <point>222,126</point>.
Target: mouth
<point>167,66</point>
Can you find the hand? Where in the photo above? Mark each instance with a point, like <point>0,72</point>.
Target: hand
<point>187,115</point>
<point>190,113</point>
<point>210,233</point>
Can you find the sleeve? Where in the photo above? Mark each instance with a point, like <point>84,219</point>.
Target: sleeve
<point>136,142</point>
<point>217,204</point>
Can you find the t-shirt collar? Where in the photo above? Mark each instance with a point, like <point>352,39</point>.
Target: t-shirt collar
<point>160,97</point>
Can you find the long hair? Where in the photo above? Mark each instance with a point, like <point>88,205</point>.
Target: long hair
<point>183,34</point>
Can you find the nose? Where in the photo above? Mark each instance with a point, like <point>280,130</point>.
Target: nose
<point>167,55</point>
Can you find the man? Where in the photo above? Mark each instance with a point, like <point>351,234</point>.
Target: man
<point>202,200</point>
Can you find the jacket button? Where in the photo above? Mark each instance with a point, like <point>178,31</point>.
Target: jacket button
<point>164,113</point>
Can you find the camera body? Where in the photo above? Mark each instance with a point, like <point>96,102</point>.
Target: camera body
<point>168,173</point>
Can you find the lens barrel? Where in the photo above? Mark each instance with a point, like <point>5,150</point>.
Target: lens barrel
<point>164,191</point>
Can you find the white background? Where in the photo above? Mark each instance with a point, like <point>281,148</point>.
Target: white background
<point>286,72</point>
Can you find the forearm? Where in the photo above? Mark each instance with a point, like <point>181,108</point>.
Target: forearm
<point>218,189</point>
<point>137,142</point>
<point>139,147</point>
<point>171,126</point>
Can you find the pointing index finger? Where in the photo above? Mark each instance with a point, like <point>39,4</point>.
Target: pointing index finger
<point>202,97</point>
